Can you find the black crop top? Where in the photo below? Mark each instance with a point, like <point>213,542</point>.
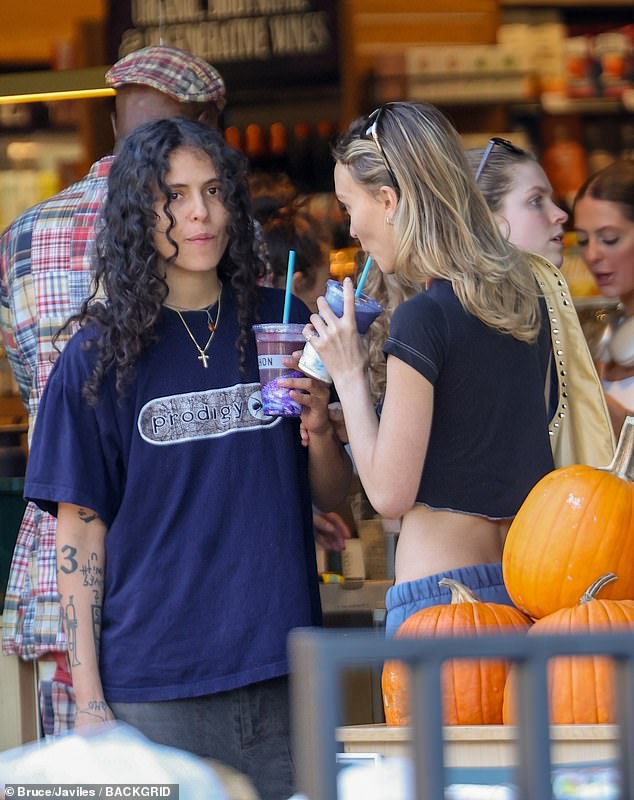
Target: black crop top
<point>489,441</point>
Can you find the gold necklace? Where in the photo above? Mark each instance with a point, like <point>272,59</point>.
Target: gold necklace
<point>212,325</point>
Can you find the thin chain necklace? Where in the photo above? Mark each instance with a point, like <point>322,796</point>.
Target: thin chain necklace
<point>211,324</point>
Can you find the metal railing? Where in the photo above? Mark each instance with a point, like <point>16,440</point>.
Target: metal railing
<point>319,657</point>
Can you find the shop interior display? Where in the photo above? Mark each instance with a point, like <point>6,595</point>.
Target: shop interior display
<point>559,79</point>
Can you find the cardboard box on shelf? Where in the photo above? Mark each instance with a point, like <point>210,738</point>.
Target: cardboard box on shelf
<point>460,73</point>
<point>372,541</point>
<point>543,48</point>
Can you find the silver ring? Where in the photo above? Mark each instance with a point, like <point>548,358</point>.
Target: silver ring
<point>309,337</point>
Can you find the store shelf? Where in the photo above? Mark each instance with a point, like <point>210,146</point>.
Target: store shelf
<point>566,3</point>
<point>446,92</point>
<point>558,104</point>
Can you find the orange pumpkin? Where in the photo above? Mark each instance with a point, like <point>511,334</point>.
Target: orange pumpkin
<point>472,690</point>
<point>580,688</point>
<point>575,524</point>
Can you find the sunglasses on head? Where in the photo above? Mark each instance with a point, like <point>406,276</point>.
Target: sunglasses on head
<point>493,141</point>
<point>372,132</point>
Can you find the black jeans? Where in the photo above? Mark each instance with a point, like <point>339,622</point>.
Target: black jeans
<point>246,728</point>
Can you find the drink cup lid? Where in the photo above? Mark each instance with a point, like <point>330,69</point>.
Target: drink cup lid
<point>286,329</point>
<point>365,299</point>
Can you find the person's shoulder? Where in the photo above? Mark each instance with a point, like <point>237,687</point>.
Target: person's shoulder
<point>427,307</point>
<point>74,360</point>
<point>92,188</point>
<point>80,346</point>
<point>425,299</point>
<point>549,277</point>
<point>441,291</point>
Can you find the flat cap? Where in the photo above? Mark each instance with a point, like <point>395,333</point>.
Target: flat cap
<point>181,75</point>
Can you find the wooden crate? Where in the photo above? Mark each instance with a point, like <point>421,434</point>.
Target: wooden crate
<point>486,745</point>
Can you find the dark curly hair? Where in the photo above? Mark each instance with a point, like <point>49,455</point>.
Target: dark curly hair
<point>125,256</point>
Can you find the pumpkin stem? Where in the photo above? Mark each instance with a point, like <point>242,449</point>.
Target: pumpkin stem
<point>623,461</point>
<point>459,592</point>
<point>592,591</point>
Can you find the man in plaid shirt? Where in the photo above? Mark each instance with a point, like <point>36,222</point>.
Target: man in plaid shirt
<point>45,274</point>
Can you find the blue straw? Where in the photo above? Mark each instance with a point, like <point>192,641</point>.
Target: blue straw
<point>289,280</point>
<point>364,275</point>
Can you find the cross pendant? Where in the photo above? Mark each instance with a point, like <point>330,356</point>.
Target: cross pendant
<point>203,357</point>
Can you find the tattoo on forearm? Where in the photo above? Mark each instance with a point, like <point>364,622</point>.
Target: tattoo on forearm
<point>92,577</point>
<point>95,708</point>
<point>86,516</point>
<point>69,552</point>
<point>96,628</point>
<point>70,616</point>
<point>93,573</point>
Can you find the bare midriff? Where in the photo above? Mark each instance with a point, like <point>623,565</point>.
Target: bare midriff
<point>436,541</point>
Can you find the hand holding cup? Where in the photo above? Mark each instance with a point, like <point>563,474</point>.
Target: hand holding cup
<point>356,312</point>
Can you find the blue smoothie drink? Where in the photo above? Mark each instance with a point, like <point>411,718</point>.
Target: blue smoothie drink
<point>366,310</point>
<point>274,341</point>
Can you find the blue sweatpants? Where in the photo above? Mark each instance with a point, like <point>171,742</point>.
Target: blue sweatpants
<point>403,599</point>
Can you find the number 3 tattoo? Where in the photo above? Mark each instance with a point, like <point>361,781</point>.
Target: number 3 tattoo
<point>69,555</point>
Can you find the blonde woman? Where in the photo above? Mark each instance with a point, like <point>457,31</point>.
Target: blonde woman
<point>463,433</point>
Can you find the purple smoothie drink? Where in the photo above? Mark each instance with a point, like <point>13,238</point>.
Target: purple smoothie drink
<point>274,341</point>
<point>366,310</point>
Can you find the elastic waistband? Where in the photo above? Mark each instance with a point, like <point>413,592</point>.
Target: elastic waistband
<point>478,576</point>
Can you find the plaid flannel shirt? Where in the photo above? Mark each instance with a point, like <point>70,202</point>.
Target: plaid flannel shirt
<point>45,273</point>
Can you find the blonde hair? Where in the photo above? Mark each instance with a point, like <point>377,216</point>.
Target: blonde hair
<point>389,291</point>
<point>444,228</point>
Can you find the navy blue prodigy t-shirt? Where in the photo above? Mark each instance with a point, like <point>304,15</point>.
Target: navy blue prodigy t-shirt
<point>210,557</point>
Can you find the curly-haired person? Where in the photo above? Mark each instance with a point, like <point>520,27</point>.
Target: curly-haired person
<point>184,539</point>
<point>45,274</point>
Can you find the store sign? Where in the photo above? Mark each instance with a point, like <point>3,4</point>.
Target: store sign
<point>256,44</point>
